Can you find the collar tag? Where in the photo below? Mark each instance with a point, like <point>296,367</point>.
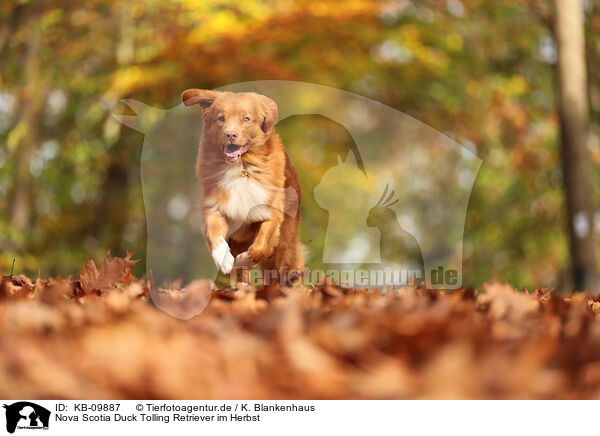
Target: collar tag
<point>244,173</point>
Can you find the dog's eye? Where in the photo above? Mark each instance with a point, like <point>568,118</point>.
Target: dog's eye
<point>221,118</point>
<point>246,119</point>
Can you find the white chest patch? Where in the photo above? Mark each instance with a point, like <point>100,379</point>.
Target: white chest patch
<point>246,198</point>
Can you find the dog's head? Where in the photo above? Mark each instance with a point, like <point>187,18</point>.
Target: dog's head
<point>234,122</point>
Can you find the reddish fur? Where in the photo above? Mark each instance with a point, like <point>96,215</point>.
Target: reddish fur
<point>273,242</point>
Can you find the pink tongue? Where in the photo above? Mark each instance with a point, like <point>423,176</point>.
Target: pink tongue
<point>235,155</point>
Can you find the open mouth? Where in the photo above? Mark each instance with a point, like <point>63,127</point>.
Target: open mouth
<point>233,152</point>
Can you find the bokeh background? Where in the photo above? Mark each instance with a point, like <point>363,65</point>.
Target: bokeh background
<point>481,72</point>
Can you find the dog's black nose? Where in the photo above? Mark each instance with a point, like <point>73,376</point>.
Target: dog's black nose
<point>231,135</point>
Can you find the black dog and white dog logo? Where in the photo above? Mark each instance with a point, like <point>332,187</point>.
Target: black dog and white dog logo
<point>26,415</point>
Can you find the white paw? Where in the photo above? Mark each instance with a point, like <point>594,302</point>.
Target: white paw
<point>244,259</point>
<point>223,257</point>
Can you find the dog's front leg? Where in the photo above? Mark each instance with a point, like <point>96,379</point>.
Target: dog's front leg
<point>267,238</point>
<point>215,232</point>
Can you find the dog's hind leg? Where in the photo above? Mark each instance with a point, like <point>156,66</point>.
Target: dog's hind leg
<point>271,280</point>
<point>289,255</point>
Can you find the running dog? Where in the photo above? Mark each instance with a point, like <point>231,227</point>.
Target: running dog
<point>250,189</point>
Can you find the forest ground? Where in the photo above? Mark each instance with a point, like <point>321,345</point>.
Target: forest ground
<point>100,336</point>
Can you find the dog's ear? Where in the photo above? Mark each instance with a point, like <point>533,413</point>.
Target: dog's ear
<point>203,97</point>
<point>269,114</point>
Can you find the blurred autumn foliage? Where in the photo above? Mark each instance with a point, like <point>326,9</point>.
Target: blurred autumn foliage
<point>109,341</point>
<point>480,72</point>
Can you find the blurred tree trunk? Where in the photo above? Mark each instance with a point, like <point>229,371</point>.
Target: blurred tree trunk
<point>9,26</point>
<point>573,109</point>
<point>113,207</point>
<point>32,101</point>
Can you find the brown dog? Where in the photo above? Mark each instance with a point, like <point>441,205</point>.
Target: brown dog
<point>251,193</point>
